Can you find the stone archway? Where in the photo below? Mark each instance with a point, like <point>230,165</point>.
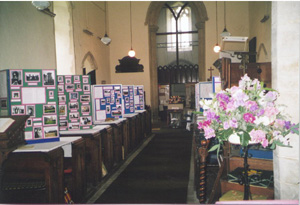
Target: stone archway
<point>151,20</point>
<point>89,62</point>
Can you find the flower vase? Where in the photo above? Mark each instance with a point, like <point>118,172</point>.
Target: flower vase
<point>235,139</point>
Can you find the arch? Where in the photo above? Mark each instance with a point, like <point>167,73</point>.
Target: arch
<point>89,62</point>
<point>151,20</point>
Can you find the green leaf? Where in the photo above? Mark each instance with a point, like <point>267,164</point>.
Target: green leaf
<point>217,146</point>
<point>249,128</point>
<point>269,89</point>
<point>295,129</point>
<point>244,138</point>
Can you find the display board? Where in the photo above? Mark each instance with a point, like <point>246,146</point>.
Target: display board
<point>128,99</point>
<point>139,101</point>
<point>205,90</point>
<point>32,92</point>
<point>107,102</point>
<point>74,99</point>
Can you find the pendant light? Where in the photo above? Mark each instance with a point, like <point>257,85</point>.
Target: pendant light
<point>131,53</point>
<point>225,32</point>
<point>106,40</point>
<point>217,48</point>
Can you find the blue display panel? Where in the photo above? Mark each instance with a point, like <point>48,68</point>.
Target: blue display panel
<point>139,100</point>
<point>128,99</point>
<point>107,102</point>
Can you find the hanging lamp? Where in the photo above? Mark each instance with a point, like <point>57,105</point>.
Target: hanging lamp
<point>217,48</point>
<point>131,52</point>
<point>225,32</point>
<point>106,40</point>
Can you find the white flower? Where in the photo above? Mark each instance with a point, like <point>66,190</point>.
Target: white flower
<point>205,104</point>
<point>264,120</point>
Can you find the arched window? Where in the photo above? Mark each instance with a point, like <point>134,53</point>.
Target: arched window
<point>184,21</point>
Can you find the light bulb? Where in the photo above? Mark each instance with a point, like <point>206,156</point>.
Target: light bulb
<point>131,53</point>
<point>217,48</point>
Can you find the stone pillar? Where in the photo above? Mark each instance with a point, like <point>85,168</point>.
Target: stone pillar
<point>153,70</point>
<point>285,79</point>
<point>201,50</point>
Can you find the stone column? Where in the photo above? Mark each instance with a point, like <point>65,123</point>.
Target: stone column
<point>285,79</point>
<point>153,70</point>
<point>201,50</point>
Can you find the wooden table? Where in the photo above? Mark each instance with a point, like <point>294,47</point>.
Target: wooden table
<point>93,158</point>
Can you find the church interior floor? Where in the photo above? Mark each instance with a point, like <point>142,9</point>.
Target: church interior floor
<point>159,171</point>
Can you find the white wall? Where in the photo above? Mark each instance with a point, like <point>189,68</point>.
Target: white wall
<point>285,79</point>
<point>64,38</point>
<point>26,37</point>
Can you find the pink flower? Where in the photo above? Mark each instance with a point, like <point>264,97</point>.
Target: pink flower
<point>203,124</point>
<point>271,111</point>
<point>251,105</point>
<point>226,125</point>
<point>259,136</point>
<point>279,123</point>
<point>233,123</point>
<point>248,117</point>
<point>209,132</point>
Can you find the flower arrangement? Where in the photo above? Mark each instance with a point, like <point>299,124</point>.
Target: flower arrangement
<point>247,113</point>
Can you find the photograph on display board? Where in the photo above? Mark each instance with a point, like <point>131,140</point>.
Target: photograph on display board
<point>86,120</point>
<point>18,110</point>
<point>15,95</point>
<point>85,109</point>
<point>60,79</point>
<point>50,132</point>
<point>48,77</point>
<point>30,110</point>
<point>32,77</point>
<point>63,123</point>
<point>62,110</point>
<point>16,77</point>
<point>50,120</point>
<point>37,133</point>
<point>74,126</point>
<point>49,109</point>
<point>70,87</point>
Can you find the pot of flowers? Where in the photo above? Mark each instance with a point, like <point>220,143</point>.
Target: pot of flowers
<point>246,114</point>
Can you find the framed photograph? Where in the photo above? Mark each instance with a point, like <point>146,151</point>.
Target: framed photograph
<point>68,81</point>
<point>116,113</point>
<point>15,95</point>
<point>18,109</point>
<point>63,123</point>
<point>30,110</point>
<point>29,123</point>
<point>86,88</point>
<point>49,120</point>
<point>76,78</point>
<point>32,77</point>
<point>51,93</point>
<point>73,96</point>
<point>86,120</point>
<point>37,133</point>
<point>85,98</point>
<point>48,77</point>
<point>78,86</point>
<point>70,87</point>
<point>16,77</point>
<point>85,108</point>
<point>85,80</point>
<point>3,103</point>
<point>74,126</point>
<point>62,98</point>
<point>62,110</point>
<point>49,109</point>
<point>74,116</point>
<point>60,88</point>
<point>60,79</point>
<point>51,132</point>
<point>73,105</point>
